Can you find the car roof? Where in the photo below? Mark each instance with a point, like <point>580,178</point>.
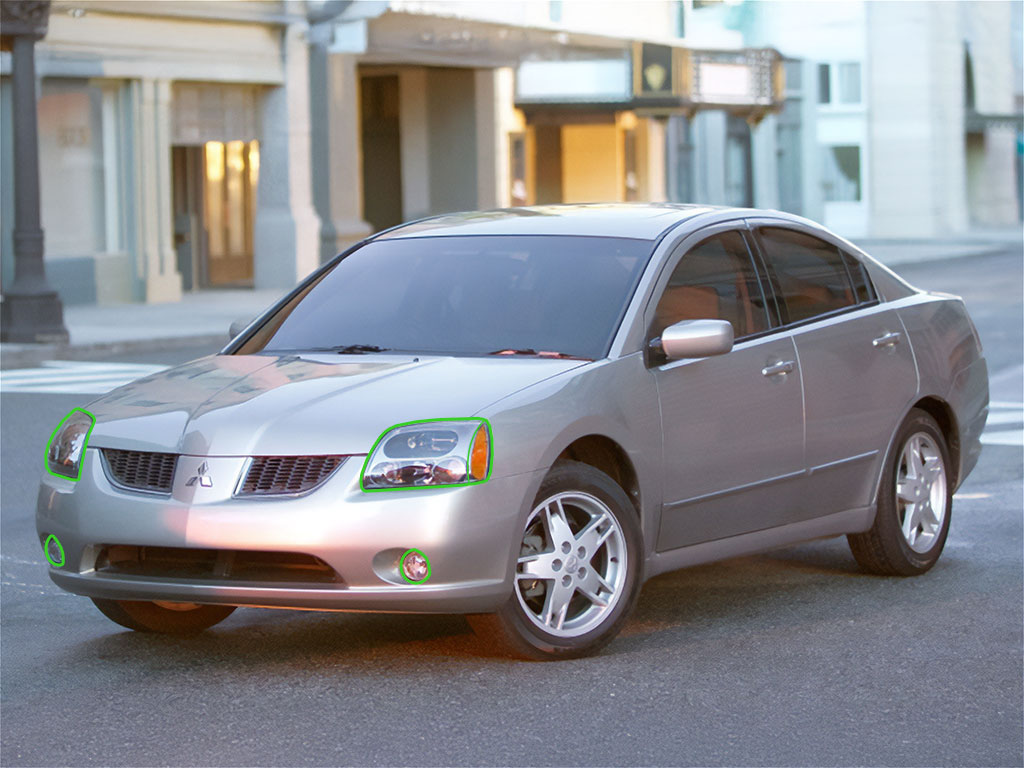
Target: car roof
<point>641,221</point>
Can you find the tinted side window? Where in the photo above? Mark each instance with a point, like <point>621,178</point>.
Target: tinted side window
<point>809,273</point>
<point>859,275</point>
<point>714,280</point>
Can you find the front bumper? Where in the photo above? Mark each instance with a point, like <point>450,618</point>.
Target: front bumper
<point>470,534</point>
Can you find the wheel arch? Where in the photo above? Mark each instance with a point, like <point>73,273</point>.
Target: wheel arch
<point>605,454</point>
<point>943,414</point>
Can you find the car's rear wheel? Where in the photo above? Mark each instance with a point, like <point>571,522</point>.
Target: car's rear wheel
<point>578,570</point>
<point>915,499</point>
<point>163,617</point>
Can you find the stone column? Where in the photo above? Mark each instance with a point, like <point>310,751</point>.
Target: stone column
<point>345,152</point>
<point>287,229</point>
<point>31,311</point>
<point>765,162</point>
<point>157,260</point>
<point>491,143</point>
<point>651,160</point>
<point>335,136</point>
<point>413,135</point>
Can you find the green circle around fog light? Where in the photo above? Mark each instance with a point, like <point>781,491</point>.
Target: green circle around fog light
<point>401,569</point>
<point>46,551</point>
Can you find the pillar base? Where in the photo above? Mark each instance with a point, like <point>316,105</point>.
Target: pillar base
<point>337,236</point>
<point>32,319</point>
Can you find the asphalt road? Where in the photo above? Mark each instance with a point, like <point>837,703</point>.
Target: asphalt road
<point>787,658</point>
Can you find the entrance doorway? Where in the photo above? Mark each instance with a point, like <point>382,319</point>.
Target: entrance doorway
<point>382,159</point>
<point>214,203</point>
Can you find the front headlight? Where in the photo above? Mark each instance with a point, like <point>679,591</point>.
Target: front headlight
<point>429,454</point>
<point>67,444</point>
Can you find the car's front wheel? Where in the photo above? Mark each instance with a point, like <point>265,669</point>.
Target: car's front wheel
<point>915,499</point>
<point>577,572</point>
<point>164,618</point>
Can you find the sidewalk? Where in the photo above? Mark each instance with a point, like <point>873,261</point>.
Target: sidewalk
<point>979,242</point>
<point>204,317</point>
<point>199,318</point>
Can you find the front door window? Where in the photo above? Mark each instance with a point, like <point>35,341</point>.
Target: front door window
<point>715,280</point>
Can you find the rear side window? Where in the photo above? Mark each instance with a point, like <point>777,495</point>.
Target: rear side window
<point>809,274</point>
<point>859,275</point>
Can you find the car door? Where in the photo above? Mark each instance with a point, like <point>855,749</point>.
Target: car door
<point>856,363</point>
<point>732,424</point>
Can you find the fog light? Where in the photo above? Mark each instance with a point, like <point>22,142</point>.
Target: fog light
<point>415,567</point>
<point>54,551</point>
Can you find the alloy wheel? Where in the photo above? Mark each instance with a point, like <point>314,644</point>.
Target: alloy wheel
<point>572,564</point>
<point>920,492</point>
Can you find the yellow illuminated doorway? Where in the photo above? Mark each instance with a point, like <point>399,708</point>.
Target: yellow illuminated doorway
<point>230,178</point>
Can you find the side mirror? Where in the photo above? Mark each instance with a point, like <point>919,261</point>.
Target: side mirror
<point>238,326</point>
<point>697,338</point>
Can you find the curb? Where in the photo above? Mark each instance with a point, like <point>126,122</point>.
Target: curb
<point>31,355</point>
<point>880,252</point>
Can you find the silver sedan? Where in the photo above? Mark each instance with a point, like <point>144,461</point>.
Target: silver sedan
<point>521,415</point>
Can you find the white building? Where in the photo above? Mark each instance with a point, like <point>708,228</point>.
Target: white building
<point>909,118</point>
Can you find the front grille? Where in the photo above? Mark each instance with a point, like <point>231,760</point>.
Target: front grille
<point>141,470</point>
<point>269,475</point>
<point>214,565</point>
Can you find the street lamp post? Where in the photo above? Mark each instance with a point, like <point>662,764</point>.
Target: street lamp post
<point>31,311</point>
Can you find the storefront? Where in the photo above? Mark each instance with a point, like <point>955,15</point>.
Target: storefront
<point>595,128</point>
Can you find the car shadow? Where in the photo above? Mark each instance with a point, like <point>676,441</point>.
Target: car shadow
<point>800,586</point>
<point>265,639</point>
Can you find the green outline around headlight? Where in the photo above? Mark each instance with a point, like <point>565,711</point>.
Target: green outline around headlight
<point>85,444</point>
<point>393,427</point>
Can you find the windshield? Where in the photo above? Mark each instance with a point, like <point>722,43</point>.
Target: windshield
<point>501,295</point>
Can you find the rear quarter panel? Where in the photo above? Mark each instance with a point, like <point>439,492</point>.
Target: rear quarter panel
<point>950,365</point>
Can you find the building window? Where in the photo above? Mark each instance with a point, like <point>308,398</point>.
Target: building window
<point>555,11</point>
<point>680,18</point>
<point>793,69</point>
<point>839,84</point>
<point>849,83</point>
<point>840,175</point>
<point>824,84</point>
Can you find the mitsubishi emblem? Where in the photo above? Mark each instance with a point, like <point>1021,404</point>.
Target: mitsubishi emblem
<point>201,477</point>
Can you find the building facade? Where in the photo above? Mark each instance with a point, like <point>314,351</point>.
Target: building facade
<point>900,118</point>
<point>188,145</point>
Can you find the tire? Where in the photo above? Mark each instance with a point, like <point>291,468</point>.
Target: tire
<point>581,538</point>
<point>915,501</point>
<point>163,618</point>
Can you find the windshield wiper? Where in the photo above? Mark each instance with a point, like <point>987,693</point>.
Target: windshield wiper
<point>535,353</point>
<point>349,349</point>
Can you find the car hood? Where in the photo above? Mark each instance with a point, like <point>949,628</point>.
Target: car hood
<point>259,405</point>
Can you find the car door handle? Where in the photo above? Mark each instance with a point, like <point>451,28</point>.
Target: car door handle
<point>888,340</point>
<point>786,366</point>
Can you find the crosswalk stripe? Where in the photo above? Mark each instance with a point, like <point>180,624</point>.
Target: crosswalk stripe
<point>1005,418</point>
<point>50,378</point>
<point>1005,425</point>
<point>74,377</point>
<point>48,371</point>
